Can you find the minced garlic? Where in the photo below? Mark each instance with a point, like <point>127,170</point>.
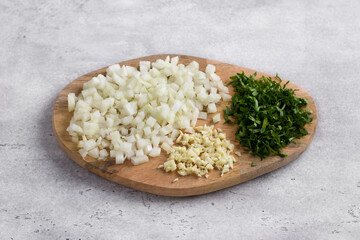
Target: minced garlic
<point>201,150</point>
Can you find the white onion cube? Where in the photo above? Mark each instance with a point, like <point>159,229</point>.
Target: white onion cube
<point>71,102</point>
<point>139,160</point>
<point>155,152</point>
<point>216,118</point>
<point>211,108</point>
<point>151,121</point>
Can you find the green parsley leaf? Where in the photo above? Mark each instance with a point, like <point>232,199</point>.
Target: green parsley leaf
<point>268,114</point>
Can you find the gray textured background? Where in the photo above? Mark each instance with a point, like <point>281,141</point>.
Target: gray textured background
<point>47,44</point>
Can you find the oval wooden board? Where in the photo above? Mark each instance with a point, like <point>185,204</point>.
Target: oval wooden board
<point>147,177</point>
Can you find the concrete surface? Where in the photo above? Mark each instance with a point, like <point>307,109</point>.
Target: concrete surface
<point>47,44</point>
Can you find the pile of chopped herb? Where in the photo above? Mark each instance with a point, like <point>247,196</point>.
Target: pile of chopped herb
<point>269,115</point>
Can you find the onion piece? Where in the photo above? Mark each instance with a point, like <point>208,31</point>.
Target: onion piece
<point>119,157</point>
<point>202,115</point>
<point>139,159</point>
<point>155,152</point>
<point>71,102</point>
<point>129,112</point>
<point>216,118</point>
<point>211,108</point>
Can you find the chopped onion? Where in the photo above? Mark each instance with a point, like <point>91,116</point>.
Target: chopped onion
<point>225,96</point>
<point>71,102</point>
<point>83,152</point>
<point>155,141</point>
<point>148,148</point>
<point>129,112</point>
<point>202,115</point>
<point>211,108</point>
<point>119,157</point>
<point>94,152</point>
<point>125,147</point>
<point>139,153</point>
<point>150,122</point>
<point>216,118</point>
<point>139,159</point>
<point>155,152</point>
<point>90,144</point>
<point>103,154</point>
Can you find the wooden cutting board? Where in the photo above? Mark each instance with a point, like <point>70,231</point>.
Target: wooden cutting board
<point>147,177</point>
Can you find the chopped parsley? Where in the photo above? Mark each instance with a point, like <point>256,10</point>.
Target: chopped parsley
<point>268,114</point>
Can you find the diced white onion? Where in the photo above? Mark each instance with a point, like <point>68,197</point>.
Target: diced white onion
<point>216,118</point>
<point>103,154</point>
<point>202,115</point>
<point>94,152</point>
<point>225,96</point>
<point>83,152</point>
<point>71,102</point>
<point>129,112</point>
<point>119,157</point>
<point>155,152</point>
<point>211,108</point>
<point>139,159</point>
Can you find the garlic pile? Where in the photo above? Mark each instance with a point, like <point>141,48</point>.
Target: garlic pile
<point>201,151</point>
<point>132,114</point>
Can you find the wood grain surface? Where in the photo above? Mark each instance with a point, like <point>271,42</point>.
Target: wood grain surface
<point>147,177</point>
